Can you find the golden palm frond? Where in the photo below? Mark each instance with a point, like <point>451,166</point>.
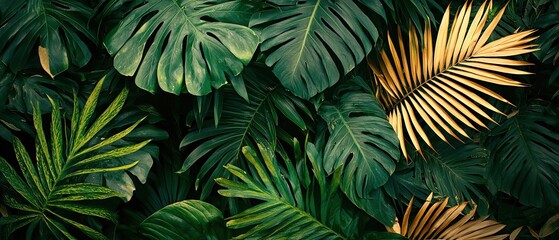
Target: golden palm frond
<point>442,84</point>
<point>431,222</point>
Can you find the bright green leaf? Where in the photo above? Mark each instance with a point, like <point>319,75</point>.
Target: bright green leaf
<point>198,55</point>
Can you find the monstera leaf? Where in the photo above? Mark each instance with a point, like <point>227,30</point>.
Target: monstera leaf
<point>525,149</point>
<point>179,45</point>
<point>9,121</point>
<point>26,91</point>
<point>52,192</point>
<point>60,26</point>
<point>363,142</point>
<point>440,81</point>
<point>312,44</point>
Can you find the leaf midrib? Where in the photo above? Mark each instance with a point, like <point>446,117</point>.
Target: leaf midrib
<point>449,169</point>
<point>187,17</point>
<point>250,122</point>
<point>349,129</point>
<point>306,214</point>
<point>301,212</point>
<point>304,42</point>
<point>523,141</point>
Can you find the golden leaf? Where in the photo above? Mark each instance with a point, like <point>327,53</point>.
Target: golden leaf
<point>436,221</point>
<point>441,82</point>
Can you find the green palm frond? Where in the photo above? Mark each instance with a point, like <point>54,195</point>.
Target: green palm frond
<point>312,44</point>
<point>196,45</point>
<point>61,27</point>
<point>436,221</point>
<point>457,172</point>
<point>122,181</point>
<point>525,150</point>
<point>282,213</point>
<point>52,190</point>
<point>405,183</point>
<point>441,83</point>
<point>241,124</point>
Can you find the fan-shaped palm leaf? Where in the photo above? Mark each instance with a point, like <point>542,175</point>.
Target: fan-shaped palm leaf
<point>314,43</point>
<point>241,124</point>
<point>282,213</point>
<point>190,50</point>
<point>434,222</point>
<point>59,25</point>
<point>525,150</point>
<point>52,191</point>
<point>442,83</point>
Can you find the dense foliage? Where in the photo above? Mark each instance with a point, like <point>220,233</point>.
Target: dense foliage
<point>318,119</point>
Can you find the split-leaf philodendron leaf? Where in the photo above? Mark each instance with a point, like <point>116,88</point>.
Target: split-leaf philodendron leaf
<point>189,49</point>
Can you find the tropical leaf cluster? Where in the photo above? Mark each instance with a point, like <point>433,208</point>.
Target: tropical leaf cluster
<point>279,119</point>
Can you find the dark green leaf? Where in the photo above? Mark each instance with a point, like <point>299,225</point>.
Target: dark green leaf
<point>90,232</point>
<point>457,173</point>
<point>137,163</point>
<point>313,44</point>
<point>17,183</point>
<point>86,210</point>
<point>241,124</point>
<point>82,191</point>
<point>188,219</point>
<point>525,149</point>
<point>60,27</point>
<point>35,89</point>
<point>364,143</point>
<point>29,172</point>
